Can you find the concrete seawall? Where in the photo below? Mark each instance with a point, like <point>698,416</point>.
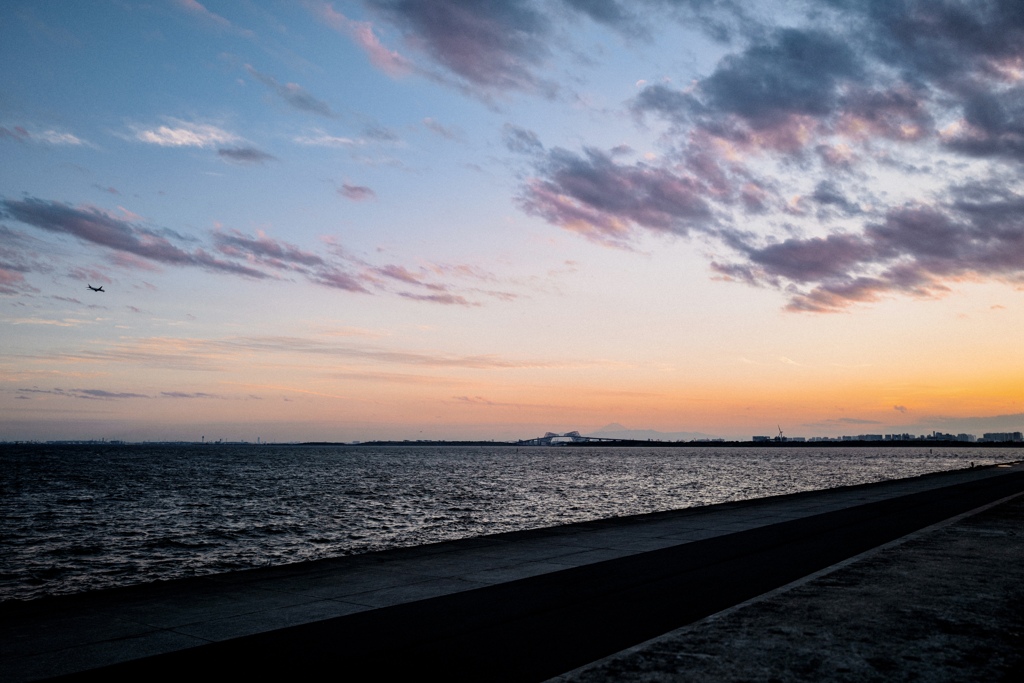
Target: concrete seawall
<point>942,604</point>
<point>521,606</point>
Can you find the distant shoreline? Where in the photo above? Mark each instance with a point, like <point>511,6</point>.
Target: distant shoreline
<point>812,444</point>
<point>606,443</point>
<point>633,443</point>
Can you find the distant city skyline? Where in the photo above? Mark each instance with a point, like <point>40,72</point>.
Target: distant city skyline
<point>372,219</point>
<point>607,435</point>
<point>559,440</point>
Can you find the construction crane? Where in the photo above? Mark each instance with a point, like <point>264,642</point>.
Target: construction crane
<point>780,437</point>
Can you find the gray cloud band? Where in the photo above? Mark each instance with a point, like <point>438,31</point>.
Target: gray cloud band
<point>231,252</point>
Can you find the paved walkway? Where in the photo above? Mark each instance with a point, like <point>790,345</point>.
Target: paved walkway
<point>66,635</point>
<point>942,604</point>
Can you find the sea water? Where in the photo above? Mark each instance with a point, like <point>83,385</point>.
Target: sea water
<point>77,518</point>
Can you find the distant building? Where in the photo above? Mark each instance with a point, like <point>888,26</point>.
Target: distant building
<point>969,438</point>
<point>870,437</point>
<point>939,436</point>
<point>899,437</point>
<point>761,438</point>
<point>1002,436</point>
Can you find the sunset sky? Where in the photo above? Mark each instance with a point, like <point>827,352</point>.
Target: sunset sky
<point>454,219</point>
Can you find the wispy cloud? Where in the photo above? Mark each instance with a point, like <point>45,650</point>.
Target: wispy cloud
<point>282,256</point>
<point>47,136</point>
<point>107,395</point>
<point>90,394</point>
<point>840,421</point>
<point>372,135</point>
<point>320,139</point>
<point>12,279</point>
<point>198,10</point>
<point>132,243</point>
<point>245,155</point>
<point>488,403</point>
<point>339,278</point>
<point>494,46</point>
<point>294,94</point>
<point>440,298</point>
<point>264,250</point>
<point>85,274</point>
<point>436,292</point>
<point>220,354</point>
<point>362,33</point>
<point>178,133</point>
<point>17,133</point>
<point>356,193</point>
<point>442,130</point>
<point>521,140</point>
<point>97,227</point>
<point>55,322</point>
<point>58,138</point>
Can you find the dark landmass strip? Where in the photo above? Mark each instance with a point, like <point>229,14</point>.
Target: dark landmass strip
<point>408,443</point>
<point>915,443</point>
<point>643,443</point>
<point>14,446</point>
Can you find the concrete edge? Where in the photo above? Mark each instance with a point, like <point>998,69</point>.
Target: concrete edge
<point>569,675</point>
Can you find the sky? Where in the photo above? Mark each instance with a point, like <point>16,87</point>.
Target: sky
<point>444,219</point>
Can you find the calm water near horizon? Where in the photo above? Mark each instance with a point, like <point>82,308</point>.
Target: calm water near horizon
<point>77,518</point>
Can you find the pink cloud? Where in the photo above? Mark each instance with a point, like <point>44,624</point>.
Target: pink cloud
<point>12,282</point>
<point>133,262</point>
<point>491,46</point>
<point>265,250</point>
<point>608,202</point>
<point>338,279</point>
<point>17,133</point>
<point>361,32</point>
<point>95,226</point>
<point>899,113</point>
<point>90,275</point>
<point>399,273</point>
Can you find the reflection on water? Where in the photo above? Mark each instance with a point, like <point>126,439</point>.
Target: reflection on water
<point>75,518</point>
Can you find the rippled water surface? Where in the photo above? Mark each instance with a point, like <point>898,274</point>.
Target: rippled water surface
<point>75,518</point>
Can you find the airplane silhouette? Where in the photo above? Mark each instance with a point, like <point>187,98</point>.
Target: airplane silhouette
<point>96,289</point>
